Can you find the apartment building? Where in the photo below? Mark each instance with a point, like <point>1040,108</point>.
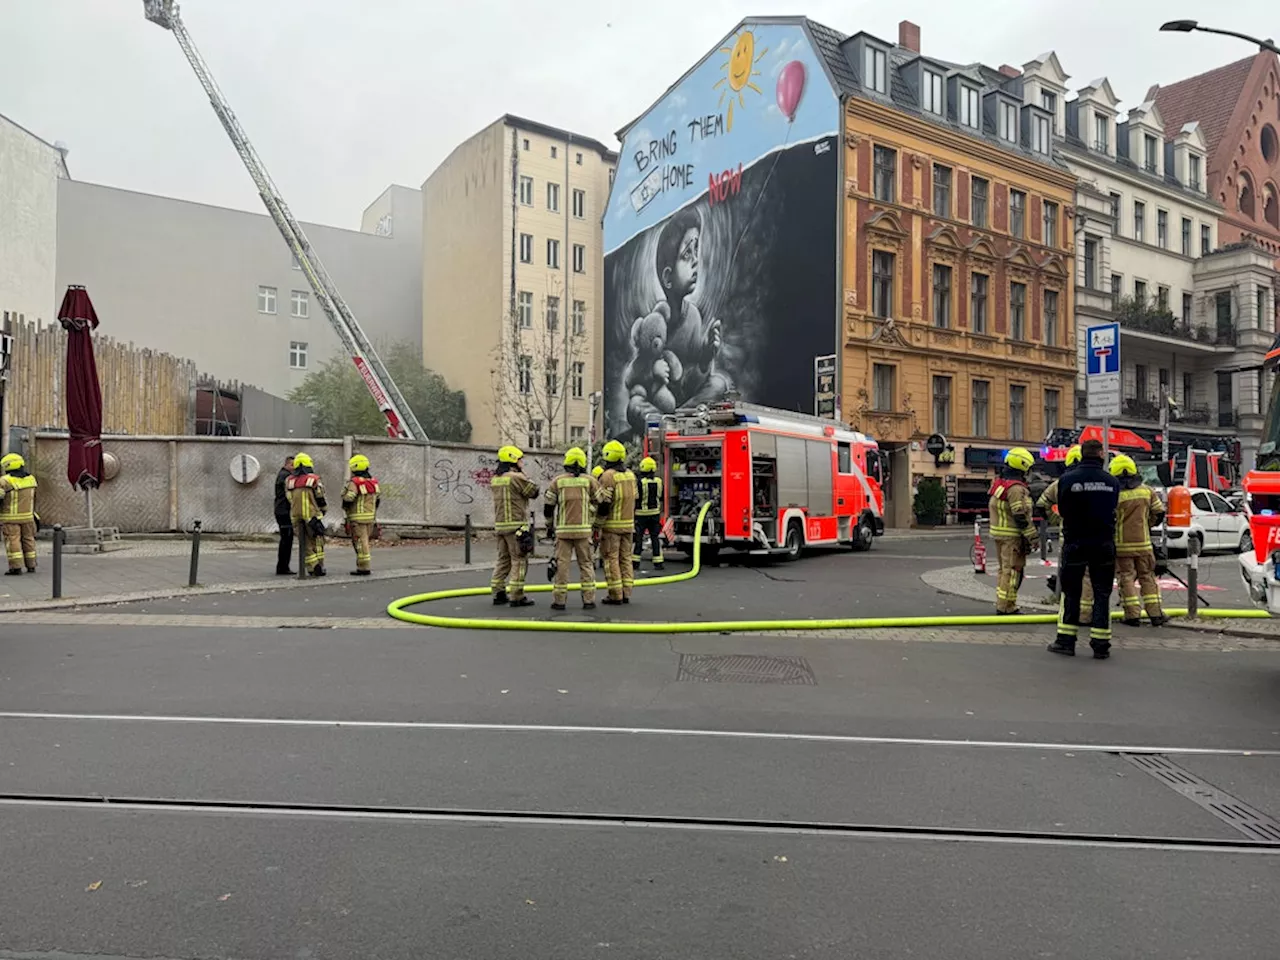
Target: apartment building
<point>512,279</point>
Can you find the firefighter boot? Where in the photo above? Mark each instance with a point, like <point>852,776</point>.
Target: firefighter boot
<point>500,598</point>
<point>522,602</point>
<point>1063,644</point>
<point>1101,649</point>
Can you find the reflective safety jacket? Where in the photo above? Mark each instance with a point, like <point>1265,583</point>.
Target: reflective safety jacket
<point>512,492</point>
<point>1139,509</point>
<point>306,497</point>
<point>571,500</point>
<point>19,498</point>
<point>618,492</point>
<point>1010,507</point>
<point>1048,502</point>
<point>649,495</point>
<point>360,499</point>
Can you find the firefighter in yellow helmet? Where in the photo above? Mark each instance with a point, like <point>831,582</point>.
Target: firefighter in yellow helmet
<point>648,513</point>
<point>568,504</point>
<point>512,491</point>
<point>307,505</point>
<point>361,497</point>
<point>618,511</point>
<point>1012,527</point>
<point>18,514</point>
<point>597,528</point>
<point>1138,511</point>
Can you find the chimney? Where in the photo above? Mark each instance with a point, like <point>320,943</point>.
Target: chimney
<point>909,36</point>
<point>1009,71</point>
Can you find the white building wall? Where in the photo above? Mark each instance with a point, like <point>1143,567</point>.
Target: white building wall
<point>29,173</point>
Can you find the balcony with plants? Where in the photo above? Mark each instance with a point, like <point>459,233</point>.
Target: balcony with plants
<point>1149,317</point>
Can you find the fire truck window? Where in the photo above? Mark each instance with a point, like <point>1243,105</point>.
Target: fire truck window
<point>873,467</point>
<point>846,458</point>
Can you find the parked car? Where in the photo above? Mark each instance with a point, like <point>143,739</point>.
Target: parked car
<point>1220,526</point>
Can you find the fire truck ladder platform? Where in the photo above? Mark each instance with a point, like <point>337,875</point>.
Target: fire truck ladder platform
<point>399,610</point>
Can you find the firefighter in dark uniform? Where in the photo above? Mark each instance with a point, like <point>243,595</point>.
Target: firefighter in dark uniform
<point>648,513</point>
<point>1012,526</point>
<point>1087,500</point>
<point>285,551</point>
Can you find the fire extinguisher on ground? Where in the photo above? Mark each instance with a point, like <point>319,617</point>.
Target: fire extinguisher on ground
<point>979,552</point>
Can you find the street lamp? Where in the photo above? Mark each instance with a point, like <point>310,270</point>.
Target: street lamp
<point>1190,26</point>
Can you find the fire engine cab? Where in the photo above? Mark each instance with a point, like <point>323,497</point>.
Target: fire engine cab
<point>778,481</point>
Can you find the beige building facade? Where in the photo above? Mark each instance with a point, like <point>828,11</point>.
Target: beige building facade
<point>513,280</point>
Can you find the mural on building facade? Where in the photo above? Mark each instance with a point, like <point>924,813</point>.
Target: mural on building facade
<point>720,235</point>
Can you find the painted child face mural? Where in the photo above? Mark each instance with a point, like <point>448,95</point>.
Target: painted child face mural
<point>681,279</point>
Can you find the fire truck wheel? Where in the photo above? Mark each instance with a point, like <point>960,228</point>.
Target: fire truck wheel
<point>863,536</point>
<point>795,540</point>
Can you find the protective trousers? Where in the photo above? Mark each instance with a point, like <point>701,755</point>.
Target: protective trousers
<point>1012,555</point>
<point>20,544</point>
<point>512,567</point>
<point>1137,571</point>
<point>1100,564</point>
<point>619,574</point>
<point>652,526</point>
<point>360,536</point>
<point>568,551</point>
<point>312,546</point>
<point>284,552</point>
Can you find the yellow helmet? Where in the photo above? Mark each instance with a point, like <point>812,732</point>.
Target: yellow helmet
<point>1073,456</point>
<point>1020,459</point>
<point>357,463</point>
<point>597,471</point>
<point>11,462</point>
<point>648,465</point>
<point>302,460</point>
<point>510,454</point>
<point>1122,465</point>
<point>614,452</point>
<point>575,457</point>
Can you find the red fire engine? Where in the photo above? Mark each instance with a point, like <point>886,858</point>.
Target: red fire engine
<point>778,481</point>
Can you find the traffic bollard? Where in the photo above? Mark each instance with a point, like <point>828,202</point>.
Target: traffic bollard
<point>195,556</point>
<point>59,536</point>
<point>466,539</point>
<point>1193,576</point>
<point>300,529</point>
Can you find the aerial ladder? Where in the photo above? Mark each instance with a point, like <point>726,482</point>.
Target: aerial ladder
<point>401,421</point>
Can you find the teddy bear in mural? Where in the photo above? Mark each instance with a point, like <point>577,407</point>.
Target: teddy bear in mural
<point>654,368</point>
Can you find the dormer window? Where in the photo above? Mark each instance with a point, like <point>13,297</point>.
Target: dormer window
<point>875,69</point>
<point>1008,122</point>
<point>1040,140</point>
<point>932,95</point>
<point>1049,101</point>
<point>1101,133</point>
<point>1150,152</point>
<point>1193,171</point>
<point>968,111</point>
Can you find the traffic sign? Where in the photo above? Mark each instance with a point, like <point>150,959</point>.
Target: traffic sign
<point>1102,370</point>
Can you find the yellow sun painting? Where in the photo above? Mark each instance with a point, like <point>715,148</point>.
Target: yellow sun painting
<point>739,69</point>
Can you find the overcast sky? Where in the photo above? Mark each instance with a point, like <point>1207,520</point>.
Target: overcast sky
<point>341,100</point>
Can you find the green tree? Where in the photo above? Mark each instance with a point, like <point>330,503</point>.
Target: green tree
<point>930,504</point>
<point>341,406</point>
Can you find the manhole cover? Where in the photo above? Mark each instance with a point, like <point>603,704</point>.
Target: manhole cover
<point>745,668</point>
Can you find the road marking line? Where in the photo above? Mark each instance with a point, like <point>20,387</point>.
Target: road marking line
<point>460,727</point>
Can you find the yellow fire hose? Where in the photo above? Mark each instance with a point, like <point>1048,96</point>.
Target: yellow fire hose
<point>399,610</point>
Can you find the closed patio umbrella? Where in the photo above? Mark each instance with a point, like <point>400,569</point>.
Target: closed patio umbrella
<point>84,395</point>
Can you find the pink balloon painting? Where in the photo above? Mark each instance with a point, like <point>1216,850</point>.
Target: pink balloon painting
<point>790,88</point>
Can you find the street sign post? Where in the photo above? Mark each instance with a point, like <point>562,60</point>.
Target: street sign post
<point>1102,376</point>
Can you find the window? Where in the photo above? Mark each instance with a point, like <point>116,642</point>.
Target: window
<point>579,203</point>
<point>300,302</point>
<point>555,152</point>
<point>525,144</point>
<point>1226,416</point>
<point>978,302</point>
<point>535,429</point>
<point>297,355</point>
<point>1017,213</point>
<point>553,313</point>
<point>1049,101</point>
<point>1017,412</point>
<point>525,370</point>
<point>1162,298</point>
<point>1193,171</point>
<point>578,159</point>
<point>1149,153</point>
<point>1163,377</point>
<point>981,407</point>
<point>1050,318</point>
<point>941,296</point>
<point>1115,209</point>
<point>978,213</point>
<point>1162,229</point>
<point>1051,401</point>
<point>941,191</point>
<point>553,197</point>
<point>1188,390</point>
<point>875,70</point>
<point>1040,139</point>
<point>1186,309</point>
<point>1140,380</point>
<point>882,283</point>
<point>970,110</point>
<point>553,254</point>
<point>1050,237</point>
<point>1222,310</point>
<point>1101,133</point>
<point>1018,311</point>
<point>577,378</point>
<point>526,248</point>
<point>524,302</point>
<point>1009,122</point>
<point>844,458</point>
<point>1139,220</point>
<point>1091,262</point>
<point>1186,237</point>
<point>942,405</point>
<point>1140,292</point>
<point>886,175</point>
<point>526,191</point>
<point>1264,300</point>
<point>1117,283</point>
<point>266,299</point>
<point>577,434</point>
<point>579,258</point>
<point>1206,240</point>
<point>553,377</point>
<point>882,375</point>
<point>932,97</point>
<point>578,318</point>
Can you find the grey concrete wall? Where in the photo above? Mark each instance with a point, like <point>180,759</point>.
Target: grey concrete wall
<point>29,172</point>
<point>266,415</point>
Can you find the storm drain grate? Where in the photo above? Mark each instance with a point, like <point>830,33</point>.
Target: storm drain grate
<point>745,668</point>
<point>1250,821</point>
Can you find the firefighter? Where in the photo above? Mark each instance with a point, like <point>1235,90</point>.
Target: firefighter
<point>596,529</point>
<point>360,502</point>
<point>618,511</point>
<point>18,514</point>
<point>1048,504</point>
<point>1087,498</point>
<point>281,508</point>
<point>1139,510</point>
<point>648,513</point>
<point>1012,527</point>
<point>306,509</point>
<point>512,491</point>
<point>568,504</point>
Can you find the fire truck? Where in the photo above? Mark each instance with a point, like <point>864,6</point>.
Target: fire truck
<point>778,481</point>
<point>1259,566</point>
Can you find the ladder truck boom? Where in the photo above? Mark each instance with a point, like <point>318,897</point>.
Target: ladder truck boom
<point>401,421</point>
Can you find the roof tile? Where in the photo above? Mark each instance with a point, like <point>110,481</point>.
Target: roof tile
<point>1209,98</point>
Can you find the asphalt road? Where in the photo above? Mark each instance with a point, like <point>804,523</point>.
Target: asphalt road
<point>389,793</point>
